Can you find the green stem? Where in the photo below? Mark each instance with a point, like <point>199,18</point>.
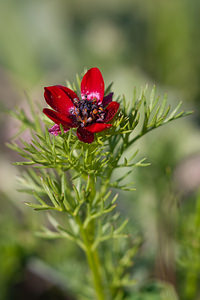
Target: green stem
<point>93,261</point>
<point>92,255</point>
<point>94,264</point>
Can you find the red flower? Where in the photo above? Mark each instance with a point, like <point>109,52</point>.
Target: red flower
<point>89,115</point>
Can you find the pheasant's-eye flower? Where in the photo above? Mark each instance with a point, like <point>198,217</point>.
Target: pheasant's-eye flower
<point>90,114</point>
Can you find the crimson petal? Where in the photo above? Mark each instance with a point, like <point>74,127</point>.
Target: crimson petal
<point>111,111</point>
<point>97,127</point>
<point>58,99</point>
<point>92,85</point>
<point>84,135</point>
<point>59,118</point>
<point>107,99</point>
<point>55,130</point>
<point>71,94</point>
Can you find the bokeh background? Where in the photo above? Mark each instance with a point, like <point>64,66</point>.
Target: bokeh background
<point>133,43</point>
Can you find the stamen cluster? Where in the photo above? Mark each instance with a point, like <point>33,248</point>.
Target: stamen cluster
<point>88,111</point>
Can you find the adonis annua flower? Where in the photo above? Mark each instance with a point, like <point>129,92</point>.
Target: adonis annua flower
<point>90,114</point>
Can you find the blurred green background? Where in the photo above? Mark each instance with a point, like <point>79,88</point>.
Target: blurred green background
<point>133,43</point>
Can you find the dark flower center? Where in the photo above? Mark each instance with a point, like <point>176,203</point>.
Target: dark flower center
<point>88,111</point>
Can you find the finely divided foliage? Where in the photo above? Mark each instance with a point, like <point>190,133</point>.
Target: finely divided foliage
<point>67,175</point>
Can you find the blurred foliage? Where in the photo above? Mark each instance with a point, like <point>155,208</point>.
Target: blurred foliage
<point>189,258</point>
<point>51,39</point>
<point>132,42</point>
